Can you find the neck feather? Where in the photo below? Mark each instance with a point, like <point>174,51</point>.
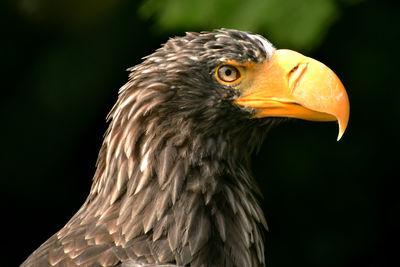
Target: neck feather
<point>186,193</point>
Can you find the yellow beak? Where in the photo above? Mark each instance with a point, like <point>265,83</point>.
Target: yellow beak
<point>292,85</point>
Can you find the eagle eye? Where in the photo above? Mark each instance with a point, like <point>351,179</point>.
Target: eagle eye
<point>228,73</point>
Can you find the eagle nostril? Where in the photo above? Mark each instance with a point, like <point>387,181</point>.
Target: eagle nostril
<point>295,74</point>
<point>294,69</point>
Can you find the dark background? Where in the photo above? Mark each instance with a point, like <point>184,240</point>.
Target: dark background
<point>328,203</point>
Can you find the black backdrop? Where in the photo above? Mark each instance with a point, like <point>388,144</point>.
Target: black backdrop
<point>328,203</point>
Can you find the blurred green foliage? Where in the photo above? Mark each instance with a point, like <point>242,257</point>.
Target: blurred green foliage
<point>298,24</point>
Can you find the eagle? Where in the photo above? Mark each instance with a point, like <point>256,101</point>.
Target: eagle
<point>173,185</point>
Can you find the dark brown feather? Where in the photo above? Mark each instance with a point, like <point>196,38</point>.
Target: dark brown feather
<point>172,184</point>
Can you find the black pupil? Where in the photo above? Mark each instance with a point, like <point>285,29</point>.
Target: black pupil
<point>228,72</point>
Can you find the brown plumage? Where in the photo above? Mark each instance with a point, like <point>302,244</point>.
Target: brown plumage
<point>173,185</point>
